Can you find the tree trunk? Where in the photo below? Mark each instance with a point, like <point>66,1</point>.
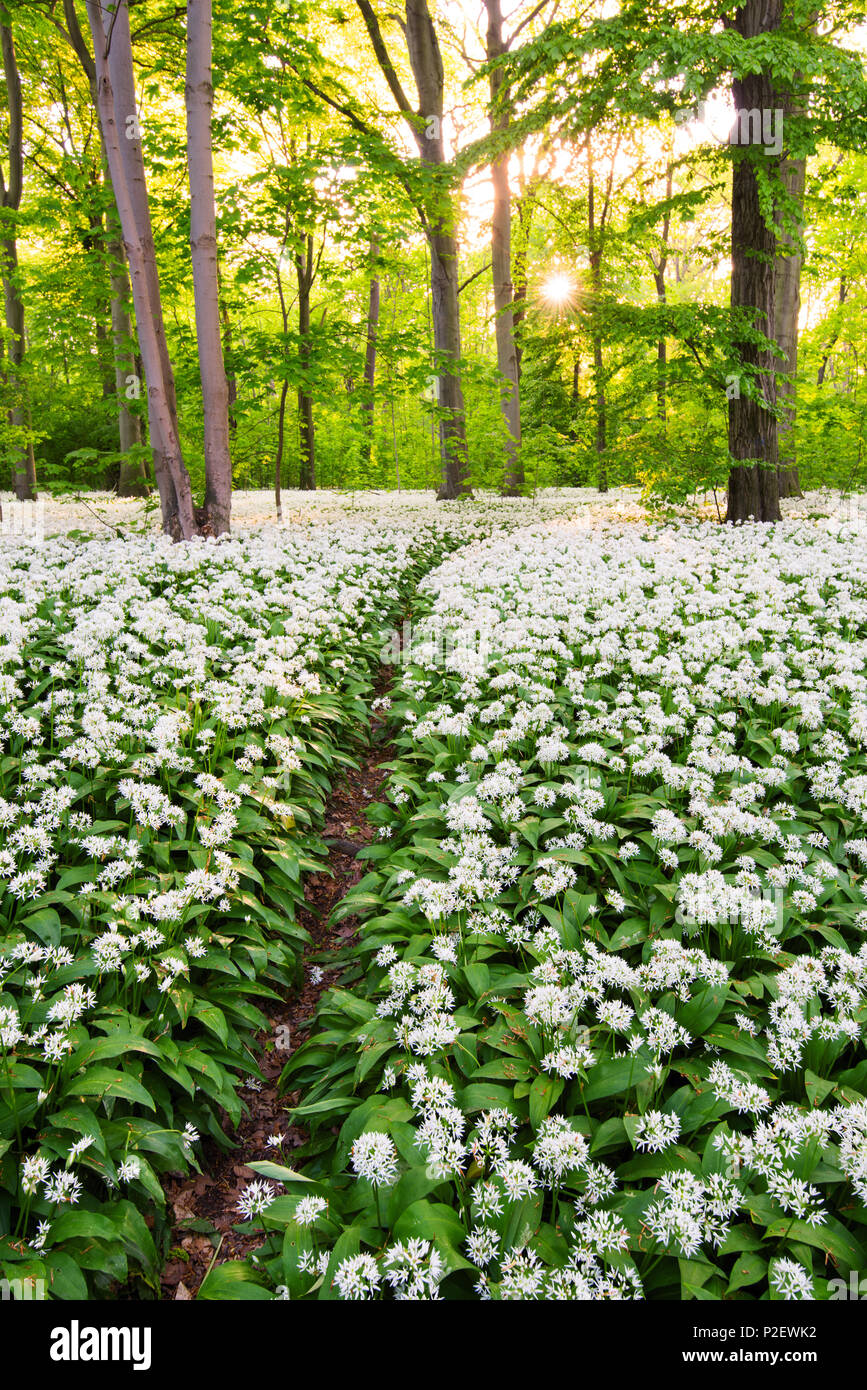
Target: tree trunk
<point>501,264</point>
<point>659,269</point>
<point>601,414</point>
<point>368,397</point>
<point>231,377</point>
<point>752,433</point>
<point>447,345</point>
<point>133,481</point>
<point>661,381</point>
<point>306,425</point>
<point>427,68</point>
<point>594,247</point>
<point>118,120</point>
<point>519,279</point>
<point>199,97</point>
<point>787,307</point>
<point>278,461</point>
<point>24,462</point>
<point>436,206</point>
<point>830,345</point>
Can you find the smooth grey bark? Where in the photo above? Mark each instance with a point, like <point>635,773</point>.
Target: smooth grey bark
<point>133,481</point>
<point>24,462</point>
<point>118,120</point>
<point>501,263</point>
<point>199,100</point>
<point>437,209</point>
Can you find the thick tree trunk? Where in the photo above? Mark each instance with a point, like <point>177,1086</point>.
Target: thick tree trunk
<point>199,97</point>
<point>427,68</point>
<point>753,485</point>
<point>24,462</point>
<point>118,120</point>
<point>501,265</point>
<point>369,396</point>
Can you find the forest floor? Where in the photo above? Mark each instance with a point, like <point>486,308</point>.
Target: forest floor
<point>102,513</point>
<point>203,1206</point>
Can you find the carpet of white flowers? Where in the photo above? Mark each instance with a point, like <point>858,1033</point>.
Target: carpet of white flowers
<point>602,1035</point>
<point>171,720</point>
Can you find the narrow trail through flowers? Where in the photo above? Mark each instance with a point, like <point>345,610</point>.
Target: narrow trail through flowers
<point>204,1206</point>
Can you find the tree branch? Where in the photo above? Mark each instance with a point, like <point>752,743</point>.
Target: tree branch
<point>384,60</point>
<point>475,275</point>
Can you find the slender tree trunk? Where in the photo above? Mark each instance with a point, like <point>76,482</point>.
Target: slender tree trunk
<point>661,381</point>
<point>501,265</point>
<point>199,96</point>
<point>601,414</point>
<point>306,424</point>
<point>436,206</point>
<point>368,400</point>
<point>595,251</point>
<point>231,376</point>
<point>119,122</point>
<point>659,269</point>
<point>24,462</point>
<point>753,484</point>
<point>829,346</point>
<point>447,345</point>
<point>133,481</point>
<point>278,461</point>
<point>574,399</point>
<point>519,279</point>
<point>787,307</point>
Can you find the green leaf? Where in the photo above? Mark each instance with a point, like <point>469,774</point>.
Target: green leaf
<point>544,1094</point>
<point>481,1095</point>
<point>235,1280</point>
<point>749,1268</point>
<point>431,1221</point>
<point>100,1081</point>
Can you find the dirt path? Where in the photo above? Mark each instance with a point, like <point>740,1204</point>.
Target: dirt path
<point>203,1207</point>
